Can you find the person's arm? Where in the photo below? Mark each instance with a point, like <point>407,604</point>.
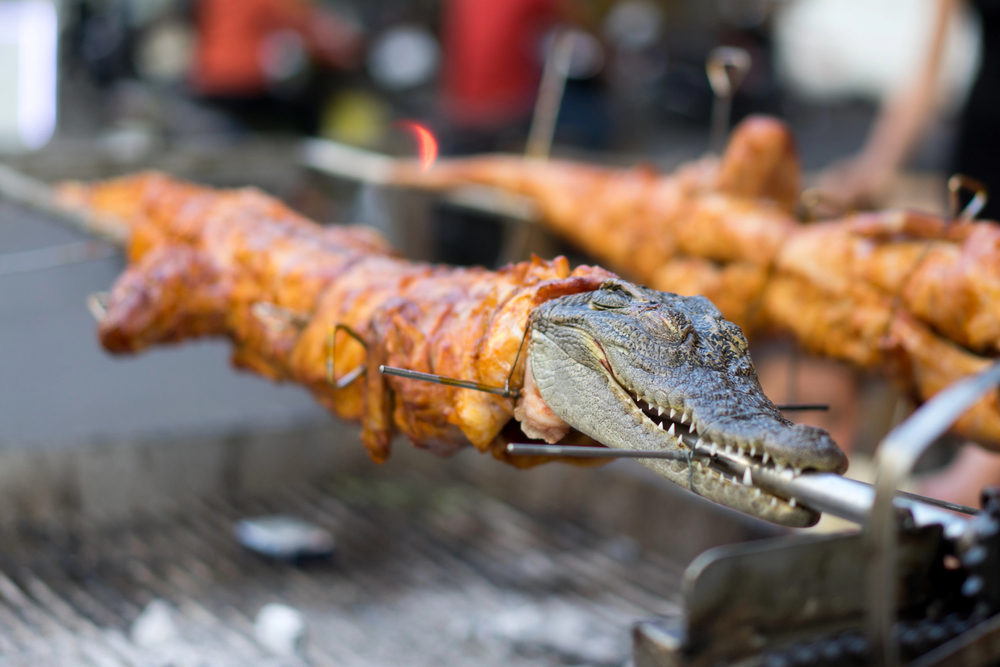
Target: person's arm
<point>899,125</point>
<point>961,482</point>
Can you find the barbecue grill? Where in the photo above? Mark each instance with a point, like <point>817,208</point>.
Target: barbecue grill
<point>466,563</point>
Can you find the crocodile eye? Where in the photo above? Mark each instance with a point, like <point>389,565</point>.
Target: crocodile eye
<point>609,300</point>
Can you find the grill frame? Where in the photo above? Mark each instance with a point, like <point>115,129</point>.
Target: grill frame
<point>90,535</point>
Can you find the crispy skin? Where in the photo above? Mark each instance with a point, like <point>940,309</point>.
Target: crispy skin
<point>241,264</point>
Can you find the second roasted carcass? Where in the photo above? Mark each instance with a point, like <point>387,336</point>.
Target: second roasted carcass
<point>895,291</point>
<point>587,355</point>
<point>732,212</point>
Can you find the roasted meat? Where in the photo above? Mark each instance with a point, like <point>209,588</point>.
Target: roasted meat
<point>635,221</point>
<point>900,292</point>
<point>241,264</point>
<point>592,359</point>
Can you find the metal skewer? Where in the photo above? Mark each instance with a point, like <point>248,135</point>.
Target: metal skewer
<point>956,184</point>
<point>818,407</point>
<point>53,256</point>
<point>451,382</point>
<point>594,452</point>
<point>550,94</point>
<point>27,191</point>
<point>825,492</point>
<point>726,67</point>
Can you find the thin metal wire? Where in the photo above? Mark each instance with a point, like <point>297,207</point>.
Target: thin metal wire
<point>276,317</point>
<point>550,95</point>
<point>504,391</point>
<point>524,449</point>
<point>956,184</point>
<point>331,356</point>
<point>97,304</point>
<point>726,68</point>
<point>55,256</point>
<point>944,504</point>
<point>440,379</point>
<point>789,407</point>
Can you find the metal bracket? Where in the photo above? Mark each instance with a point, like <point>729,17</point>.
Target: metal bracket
<point>897,455</point>
<point>97,304</point>
<point>331,356</point>
<point>727,67</point>
<point>956,184</point>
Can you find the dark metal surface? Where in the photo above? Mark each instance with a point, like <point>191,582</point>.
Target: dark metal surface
<point>424,575</point>
<point>743,598</point>
<point>897,454</point>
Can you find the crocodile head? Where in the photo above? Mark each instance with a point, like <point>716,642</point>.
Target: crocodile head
<point>634,368</point>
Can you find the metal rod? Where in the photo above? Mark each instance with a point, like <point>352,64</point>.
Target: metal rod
<point>27,191</point>
<point>550,94</point>
<point>726,67</point>
<point>331,357</point>
<point>594,452</point>
<point>944,504</point>
<point>55,256</point>
<point>347,162</point>
<point>788,407</point>
<point>897,454</point>
<point>97,305</point>
<point>823,492</point>
<point>451,382</point>
<point>956,184</point>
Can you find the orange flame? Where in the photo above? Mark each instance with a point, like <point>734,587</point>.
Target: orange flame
<point>427,144</point>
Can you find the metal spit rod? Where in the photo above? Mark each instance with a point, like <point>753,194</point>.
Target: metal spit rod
<point>824,492</point>
<point>837,495</point>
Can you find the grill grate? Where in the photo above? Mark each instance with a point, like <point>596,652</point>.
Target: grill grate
<point>423,576</point>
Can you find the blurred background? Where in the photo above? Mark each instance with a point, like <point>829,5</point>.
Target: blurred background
<point>223,92</point>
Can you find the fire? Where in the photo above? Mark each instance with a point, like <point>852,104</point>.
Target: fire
<point>427,144</point>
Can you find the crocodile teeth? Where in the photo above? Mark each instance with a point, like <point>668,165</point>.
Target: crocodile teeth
<point>791,502</point>
<point>683,417</point>
<point>774,502</point>
<point>787,474</point>
<point>756,493</point>
<point>672,413</point>
<point>722,477</point>
<point>753,452</point>
<point>699,443</point>
<point>766,457</point>
<point>670,430</point>
<point>659,425</point>
<point>740,450</point>
<point>798,471</point>
<point>659,411</point>
<point>729,449</point>
<point>779,467</point>
<point>747,479</point>
<point>714,449</point>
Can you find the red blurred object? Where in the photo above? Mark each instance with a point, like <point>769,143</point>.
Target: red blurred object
<point>426,142</point>
<point>232,35</point>
<point>492,59</point>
